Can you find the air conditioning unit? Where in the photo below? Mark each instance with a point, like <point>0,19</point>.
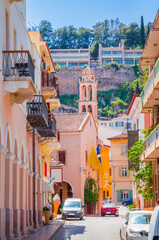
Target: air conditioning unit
<point>43,66</point>
<point>156,112</point>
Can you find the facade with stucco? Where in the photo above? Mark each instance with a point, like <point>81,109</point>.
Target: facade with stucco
<point>20,146</point>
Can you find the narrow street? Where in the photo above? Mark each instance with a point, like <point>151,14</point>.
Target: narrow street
<point>92,228</point>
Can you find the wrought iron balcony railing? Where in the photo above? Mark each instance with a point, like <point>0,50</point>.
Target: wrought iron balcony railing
<point>37,112</point>
<point>18,64</point>
<point>49,131</point>
<point>48,79</point>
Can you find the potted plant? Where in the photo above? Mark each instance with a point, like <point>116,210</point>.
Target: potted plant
<point>46,210</point>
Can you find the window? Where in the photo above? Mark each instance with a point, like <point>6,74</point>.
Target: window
<point>124,194</point>
<point>128,54</point>
<point>110,172</point>
<point>116,53</point>
<point>124,172</point>
<point>62,157</point>
<point>123,147</point>
<point>106,53</point>
<point>118,61</point>
<point>127,62</point>
<point>138,53</point>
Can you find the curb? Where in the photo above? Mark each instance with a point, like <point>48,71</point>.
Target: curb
<point>52,234</point>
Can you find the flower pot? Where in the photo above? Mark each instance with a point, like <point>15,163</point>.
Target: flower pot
<point>47,215</point>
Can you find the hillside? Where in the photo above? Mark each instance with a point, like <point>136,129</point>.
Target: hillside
<point>107,77</point>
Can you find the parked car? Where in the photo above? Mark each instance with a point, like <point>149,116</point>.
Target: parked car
<point>72,208</point>
<point>127,202</point>
<point>107,200</point>
<point>109,209</point>
<point>154,225</point>
<point>135,225</point>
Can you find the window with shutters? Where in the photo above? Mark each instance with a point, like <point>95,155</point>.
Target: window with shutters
<point>124,194</point>
<point>124,172</point>
<point>123,147</point>
<point>62,157</point>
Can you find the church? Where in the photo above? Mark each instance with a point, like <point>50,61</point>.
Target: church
<point>78,133</point>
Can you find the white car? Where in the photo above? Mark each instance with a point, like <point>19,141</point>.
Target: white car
<point>135,225</point>
<point>154,225</point>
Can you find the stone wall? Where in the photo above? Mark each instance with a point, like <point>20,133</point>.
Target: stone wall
<point>108,78</point>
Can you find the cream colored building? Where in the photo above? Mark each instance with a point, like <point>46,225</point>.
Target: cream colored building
<point>121,179</point>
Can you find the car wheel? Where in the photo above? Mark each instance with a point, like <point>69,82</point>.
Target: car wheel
<point>63,218</point>
<point>116,215</point>
<point>81,218</point>
<point>102,215</point>
<point>124,204</point>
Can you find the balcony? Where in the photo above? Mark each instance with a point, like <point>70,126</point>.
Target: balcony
<point>50,130</point>
<point>18,72</point>
<point>37,112</point>
<point>50,90</point>
<point>11,1</point>
<point>151,145</point>
<point>150,94</point>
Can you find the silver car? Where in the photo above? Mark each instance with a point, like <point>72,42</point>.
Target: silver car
<point>135,225</point>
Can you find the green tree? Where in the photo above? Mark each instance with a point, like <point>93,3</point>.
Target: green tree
<point>142,173</point>
<point>45,28</point>
<point>137,88</point>
<point>95,50</point>
<point>142,33</point>
<point>91,192</point>
<point>131,34</point>
<point>84,37</point>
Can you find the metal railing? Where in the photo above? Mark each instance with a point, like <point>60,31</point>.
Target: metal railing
<point>48,79</point>
<point>151,138</point>
<point>37,107</point>
<point>52,122</point>
<point>151,79</point>
<point>18,64</point>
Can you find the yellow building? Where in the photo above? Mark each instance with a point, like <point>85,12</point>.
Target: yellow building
<point>121,179</point>
<point>106,180</point>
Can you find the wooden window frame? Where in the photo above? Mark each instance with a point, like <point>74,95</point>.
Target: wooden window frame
<point>58,157</point>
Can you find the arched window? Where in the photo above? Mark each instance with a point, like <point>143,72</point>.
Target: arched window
<point>90,108</point>
<point>89,93</point>
<point>83,108</point>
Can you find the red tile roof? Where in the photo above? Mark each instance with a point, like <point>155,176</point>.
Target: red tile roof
<point>123,135</point>
<point>71,122</point>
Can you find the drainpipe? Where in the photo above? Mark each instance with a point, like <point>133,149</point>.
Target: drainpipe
<point>34,192</point>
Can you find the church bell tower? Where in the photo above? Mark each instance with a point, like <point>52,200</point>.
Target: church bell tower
<point>88,92</point>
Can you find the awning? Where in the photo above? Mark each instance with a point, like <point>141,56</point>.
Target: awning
<point>48,188</point>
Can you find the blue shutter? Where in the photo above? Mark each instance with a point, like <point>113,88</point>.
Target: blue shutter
<point>118,195</point>
<point>130,194</point>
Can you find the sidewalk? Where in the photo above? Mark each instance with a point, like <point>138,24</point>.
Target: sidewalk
<point>47,231</point>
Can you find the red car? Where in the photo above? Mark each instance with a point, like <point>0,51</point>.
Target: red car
<point>109,209</point>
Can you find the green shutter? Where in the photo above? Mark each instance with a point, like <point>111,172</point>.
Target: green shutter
<point>137,124</point>
<point>118,195</point>
<point>130,194</point>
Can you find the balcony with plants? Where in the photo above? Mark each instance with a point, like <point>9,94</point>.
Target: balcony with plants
<point>149,95</point>
<point>18,72</point>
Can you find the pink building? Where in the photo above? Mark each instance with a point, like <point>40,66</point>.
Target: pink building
<point>78,132</point>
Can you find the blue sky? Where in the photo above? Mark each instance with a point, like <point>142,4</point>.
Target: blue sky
<point>87,12</point>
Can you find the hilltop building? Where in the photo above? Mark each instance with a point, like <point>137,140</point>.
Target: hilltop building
<point>82,57</point>
<point>120,55</point>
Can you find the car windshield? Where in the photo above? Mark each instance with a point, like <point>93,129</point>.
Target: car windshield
<point>109,205</point>
<point>140,218</point>
<point>69,204</point>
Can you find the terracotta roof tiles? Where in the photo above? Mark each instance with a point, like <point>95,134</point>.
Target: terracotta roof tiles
<point>70,122</point>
